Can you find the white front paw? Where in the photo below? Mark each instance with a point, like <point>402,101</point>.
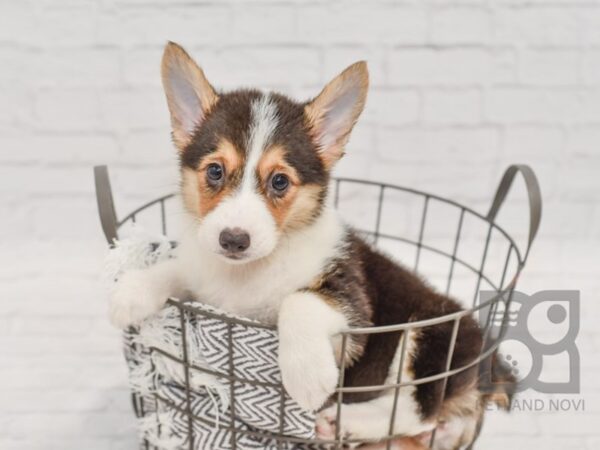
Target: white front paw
<point>308,371</point>
<point>135,298</point>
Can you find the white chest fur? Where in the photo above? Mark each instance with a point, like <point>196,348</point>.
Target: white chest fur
<point>255,290</point>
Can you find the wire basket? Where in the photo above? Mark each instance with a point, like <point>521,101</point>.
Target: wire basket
<point>457,269</point>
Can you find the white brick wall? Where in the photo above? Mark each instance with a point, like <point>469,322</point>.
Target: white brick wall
<point>460,89</point>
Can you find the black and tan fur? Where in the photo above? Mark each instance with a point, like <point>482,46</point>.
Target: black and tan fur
<point>361,284</point>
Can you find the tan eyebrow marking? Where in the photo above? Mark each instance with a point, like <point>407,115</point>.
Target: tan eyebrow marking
<point>297,207</point>
<point>199,198</point>
<point>226,154</point>
<point>272,160</point>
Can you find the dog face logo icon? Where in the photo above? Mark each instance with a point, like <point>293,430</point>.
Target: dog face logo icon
<point>537,343</point>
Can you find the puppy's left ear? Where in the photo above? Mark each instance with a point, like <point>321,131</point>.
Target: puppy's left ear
<point>333,113</point>
<point>189,94</point>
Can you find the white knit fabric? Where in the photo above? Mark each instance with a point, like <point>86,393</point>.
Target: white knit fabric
<point>159,381</point>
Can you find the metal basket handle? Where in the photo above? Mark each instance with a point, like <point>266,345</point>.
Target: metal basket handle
<point>106,206</point>
<point>535,199</point>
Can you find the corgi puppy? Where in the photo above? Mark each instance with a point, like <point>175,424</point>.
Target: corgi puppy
<point>262,240</point>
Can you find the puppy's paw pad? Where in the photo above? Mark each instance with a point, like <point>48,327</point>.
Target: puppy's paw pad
<point>325,427</point>
<point>329,414</point>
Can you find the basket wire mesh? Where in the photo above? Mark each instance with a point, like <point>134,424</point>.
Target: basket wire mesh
<point>494,310</point>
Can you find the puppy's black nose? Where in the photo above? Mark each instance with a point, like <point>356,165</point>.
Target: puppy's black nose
<point>234,240</point>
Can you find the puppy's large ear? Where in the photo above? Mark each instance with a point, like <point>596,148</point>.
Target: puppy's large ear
<point>189,94</point>
<point>333,113</point>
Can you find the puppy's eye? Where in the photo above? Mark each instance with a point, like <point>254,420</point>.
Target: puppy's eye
<point>280,182</point>
<point>214,172</point>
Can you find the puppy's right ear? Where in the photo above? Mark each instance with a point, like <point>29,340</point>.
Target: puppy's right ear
<point>189,94</point>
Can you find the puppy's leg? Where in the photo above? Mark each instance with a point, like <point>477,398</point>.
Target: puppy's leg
<point>371,420</point>
<point>306,354</point>
<point>326,430</point>
<point>143,292</point>
<point>454,433</point>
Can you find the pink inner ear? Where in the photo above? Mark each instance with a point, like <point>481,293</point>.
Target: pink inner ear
<point>338,118</point>
<point>186,101</point>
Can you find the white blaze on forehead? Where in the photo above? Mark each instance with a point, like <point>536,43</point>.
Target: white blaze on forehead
<point>263,123</point>
<point>247,209</point>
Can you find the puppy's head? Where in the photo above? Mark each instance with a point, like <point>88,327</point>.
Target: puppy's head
<point>255,166</point>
